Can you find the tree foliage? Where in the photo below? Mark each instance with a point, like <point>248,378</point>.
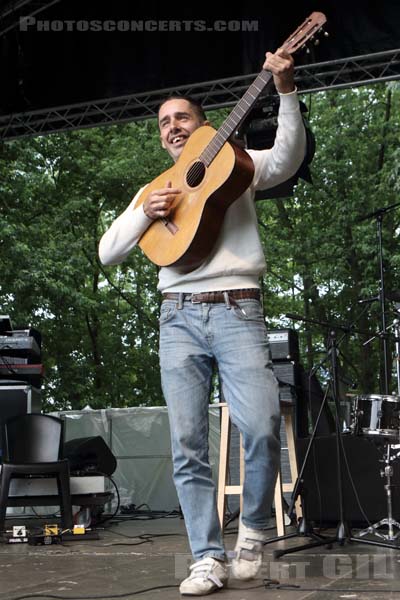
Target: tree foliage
<point>100,325</point>
<point>322,255</point>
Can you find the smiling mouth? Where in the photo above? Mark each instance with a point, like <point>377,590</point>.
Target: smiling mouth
<point>177,139</point>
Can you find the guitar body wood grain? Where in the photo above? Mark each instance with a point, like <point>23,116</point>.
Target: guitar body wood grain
<point>189,234</point>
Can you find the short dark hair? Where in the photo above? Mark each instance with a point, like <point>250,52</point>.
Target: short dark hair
<point>195,104</point>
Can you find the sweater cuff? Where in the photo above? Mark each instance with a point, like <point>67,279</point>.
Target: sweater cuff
<point>143,221</point>
<point>289,93</point>
<point>289,102</point>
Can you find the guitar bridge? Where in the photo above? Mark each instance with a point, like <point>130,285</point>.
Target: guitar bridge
<point>170,225</point>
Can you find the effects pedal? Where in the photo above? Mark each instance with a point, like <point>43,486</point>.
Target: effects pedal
<point>51,535</point>
<point>18,535</point>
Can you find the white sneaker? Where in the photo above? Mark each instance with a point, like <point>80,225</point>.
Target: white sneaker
<point>248,552</point>
<point>207,575</point>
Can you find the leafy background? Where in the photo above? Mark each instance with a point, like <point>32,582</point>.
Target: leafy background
<point>99,324</point>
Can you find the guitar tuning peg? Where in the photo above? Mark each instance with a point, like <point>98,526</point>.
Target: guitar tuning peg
<point>316,42</point>
<point>326,34</point>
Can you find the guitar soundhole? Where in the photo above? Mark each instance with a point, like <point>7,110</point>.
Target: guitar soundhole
<point>195,174</point>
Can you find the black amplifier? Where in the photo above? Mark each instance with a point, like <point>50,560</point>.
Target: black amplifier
<point>19,345</point>
<point>284,344</point>
<point>289,376</point>
<point>288,373</point>
<point>288,394</point>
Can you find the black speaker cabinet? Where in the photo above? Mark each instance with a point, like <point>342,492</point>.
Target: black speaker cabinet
<point>321,484</point>
<point>90,454</point>
<point>288,375</point>
<point>17,400</point>
<point>284,345</point>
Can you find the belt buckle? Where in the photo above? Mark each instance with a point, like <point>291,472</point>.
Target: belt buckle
<point>193,300</point>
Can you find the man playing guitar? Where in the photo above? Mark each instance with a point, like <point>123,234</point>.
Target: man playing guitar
<point>213,314</point>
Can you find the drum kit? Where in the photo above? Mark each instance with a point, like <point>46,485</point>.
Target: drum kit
<point>374,416</point>
<point>377,417</point>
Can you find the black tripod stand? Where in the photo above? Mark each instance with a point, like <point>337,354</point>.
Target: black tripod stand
<point>343,531</point>
<point>305,529</point>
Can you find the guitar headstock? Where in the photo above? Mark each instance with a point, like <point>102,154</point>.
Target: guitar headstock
<point>307,31</point>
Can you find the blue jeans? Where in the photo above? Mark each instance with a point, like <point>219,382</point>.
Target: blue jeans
<point>191,338</point>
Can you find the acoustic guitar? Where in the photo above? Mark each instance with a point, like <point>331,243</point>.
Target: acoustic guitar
<point>212,173</point>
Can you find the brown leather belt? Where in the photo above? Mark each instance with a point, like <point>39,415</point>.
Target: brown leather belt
<point>215,296</point>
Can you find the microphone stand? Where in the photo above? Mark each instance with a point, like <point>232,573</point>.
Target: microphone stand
<point>385,386</point>
<point>378,214</point>
<point>343,530</point>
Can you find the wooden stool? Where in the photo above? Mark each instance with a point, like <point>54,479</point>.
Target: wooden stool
<point>224,489</point>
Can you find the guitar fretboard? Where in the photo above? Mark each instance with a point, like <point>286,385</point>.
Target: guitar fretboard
<point>234,119</point>
<point>307,30</point>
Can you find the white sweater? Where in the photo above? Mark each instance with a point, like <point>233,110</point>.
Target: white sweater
<point>237,259</point>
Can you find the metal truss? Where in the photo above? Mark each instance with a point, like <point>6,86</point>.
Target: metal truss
<point>337,74</point>
<point>11,13</point>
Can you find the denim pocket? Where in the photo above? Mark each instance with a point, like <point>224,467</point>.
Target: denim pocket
<point>249,310</point>
<point>167,311</point>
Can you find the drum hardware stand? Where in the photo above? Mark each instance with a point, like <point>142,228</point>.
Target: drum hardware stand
<point>388,521</point>
<point>388,470</point>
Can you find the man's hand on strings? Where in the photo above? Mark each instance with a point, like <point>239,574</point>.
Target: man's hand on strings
<point>159,202</point>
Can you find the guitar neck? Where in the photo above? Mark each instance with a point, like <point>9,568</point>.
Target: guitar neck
<point>232,122</point>
<point>298,39</point>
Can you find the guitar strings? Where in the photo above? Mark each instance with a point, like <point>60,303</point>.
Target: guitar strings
<point>305,31</point>
<point>227,128</point>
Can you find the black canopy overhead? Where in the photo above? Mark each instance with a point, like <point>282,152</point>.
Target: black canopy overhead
<point>60,53</point>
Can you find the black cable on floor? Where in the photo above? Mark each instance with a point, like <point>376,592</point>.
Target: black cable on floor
<point>102,597</point>
<point>267,585</point>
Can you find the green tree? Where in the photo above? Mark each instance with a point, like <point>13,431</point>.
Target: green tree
<point>100,325</point>
<point>322,259</point>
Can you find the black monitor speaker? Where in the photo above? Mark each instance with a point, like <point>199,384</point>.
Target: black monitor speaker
<point>90,455</point>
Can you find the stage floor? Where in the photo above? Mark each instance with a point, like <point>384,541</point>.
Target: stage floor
<point>121,565</point>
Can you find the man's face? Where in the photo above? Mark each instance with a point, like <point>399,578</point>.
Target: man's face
<point>177,120</point>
